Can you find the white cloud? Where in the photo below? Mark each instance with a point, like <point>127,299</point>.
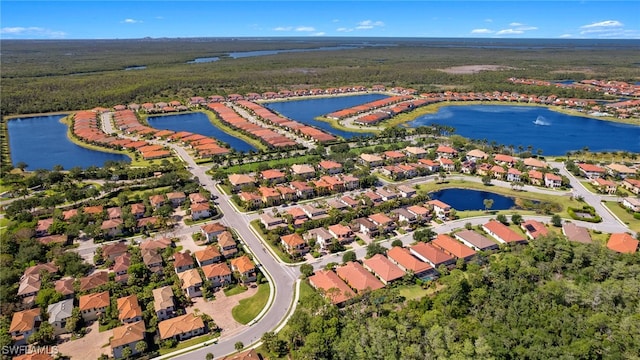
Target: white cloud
<point>603,24</point>
<point>526,28</point>
<point>321,33</point>
<point>369,24</point>
<point>21,31</point>
<point>514,24</point>
<point>481,31</point>
<point>131,21</point>
<point>509,32</point>
<point>283,28</point>
<point>305,28</point>
<point>565,36</point>
<point>344,29</point>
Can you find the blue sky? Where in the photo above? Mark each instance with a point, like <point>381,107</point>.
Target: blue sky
<point>487,19</point>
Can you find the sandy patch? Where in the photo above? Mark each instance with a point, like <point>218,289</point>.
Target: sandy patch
<point>473,69</point>
<point>91,346</point>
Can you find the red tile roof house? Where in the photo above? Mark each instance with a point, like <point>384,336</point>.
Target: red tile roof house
<point>112,227</point>
<point>156,201</point>
<point>42,228</point>
<point>176,198</point>
<point>200,211</point>
<point>632,185</point>
<point>129,310</point>
<point>383,268</point>
<point>208,255</point>
<point>137,210</point>
<point>94,280</point>
<point>227,244</point>
<point>604,186</point>
<point>502,233</point>
<point>591,171</point>
<point>354,274</point>
<point>407,262</point>
<point>114,212</point>
<point>23,325</point>
<point>273,176</point>
<point>92,305</point>
<point>303,190</point>
<point>305,171</point>
<point>28,288</point>
<point>182,262</point>
<point>321,235</point>
<point>623,243</point>
<point>332,287</point>
<point>431,254</point>
<point>191,283</point>
<point>330,167</point>
<point>385,223</point>
<point>294,244</point>
<point>552,180</point>
<point>112,251</point>
<point>127,336</point>
<point>245,268</point>
<point>197,198</point>
<point>452,247</point>
<point>442,210</point>
<point>513,175</point>
<point>475,241</point>
<point>211,231</point>
<point>65,287</point>
<point>181,327</point>
<point>164,302</point>
<point>366,226</point>
<point>121,267</point>
<point>446,152</point>
<point>218,274</point>
<point>342,233</point>
<point>238,181</point>
<point>534,229</point>
<point>152,260</point>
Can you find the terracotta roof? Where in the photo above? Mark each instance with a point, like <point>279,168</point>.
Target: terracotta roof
<point>213,270</point>
<point>622,243</point>
<point>453,247</point>
<point>128,307</point>
<point>114,249</point>
<point>380,218</point>
<point>243,264</point>
<point>272,174</point>
<point>446,149</point>
<point>225,239</point>
<point>128,333</point>
<point>431,253</point>
<point>34,356</point>
<point>36,269</point>
<point>340,229</point>
<point>328,164</point>
<point>94,301</point>
<point>440,204</point>
<point>334,288</point>
<point>591,168</point>
<point>190,278</point>
<point>213,228</point>
<point>358,277</point>
<point>161,243</point>
<point>179,325</point>
<point>182,259</point>
<point>292,240</point>
<point>503,233</point>
<point>208,253</point>
<point>65,286</point>
<point>240,179</point>
<point>24,321</point>
<point>94,280</point>
<point>384,268</point>
<point>534,228</point>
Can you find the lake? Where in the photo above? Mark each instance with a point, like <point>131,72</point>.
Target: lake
<point>198,123</point>
<point>41,142</point>
<point>466,199</point>
<point>552,132</point>
<point>305,111</point>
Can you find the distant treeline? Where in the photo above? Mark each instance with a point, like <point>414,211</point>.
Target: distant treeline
<point>45,76</point>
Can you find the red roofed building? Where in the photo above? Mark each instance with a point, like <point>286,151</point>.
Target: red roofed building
<point>358,277</point>
<point>502,233</point>
<point>383,268</point>
<point>622,243</point>
<point>534,229</point>
<point>452,247</point>
<point>333,288</point>
<point>294,244</point>
<point>431,254</point>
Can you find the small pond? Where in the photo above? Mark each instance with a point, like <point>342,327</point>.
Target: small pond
<point>467,199</point>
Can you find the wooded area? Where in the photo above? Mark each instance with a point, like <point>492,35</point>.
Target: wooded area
<point>45,76</point>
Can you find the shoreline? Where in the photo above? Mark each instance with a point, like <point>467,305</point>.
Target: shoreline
<point>67,121</point>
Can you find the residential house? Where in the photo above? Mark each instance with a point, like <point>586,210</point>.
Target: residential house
<point>164,303</point>
<point>304,171</point>
<point>121,267</point>
<point>591,171</point>
<point>552,180</point>
<point>534,229</point>
<point>431,165</point>
<point>446,164</point>
<point>431,254</point>
<point>446,152</point>
<point>64,286</point>
<point>350,182</point>
<point>112,251</point>
<point>208,255</point>
<point>394,156</point>
<point>211,231</point>
<point>476,154</point>
<point>475,241</point>
<point>513,175</point>
<point>577,233</point>
<point>94,211</point>
<point>498,172</point>
<point>28,288</point>
<point>298,216</point>
<point>631,203</point>
<point>502,159</point>
<point>415,151</point>
<point>405,216</point>
<point>358,278</point>
<point>273,176</point>
<point>137,210</point>
<point>502,233</point>
<point>342,233</point>
<point>129,310</point>
<point>238,181</point>
<point>94,280</point>
<point>604,186</point>
<point>181,327</point>
<point>386,195</point>
<point>69,214</point>
<point>227,244</point>
<point>114,212</point>
<point>59,314</point>
<point>93,305</point>
<point>200,211</point>
<point>374,197</point>
<point>191,282</point>
<point>632,185</point>
<point>620,171</point>
<point>366,226</point>
<point>441,209</point>
<point>294,244</point>
<point>535,177</point>
<point>384,223</point>
<point>421,213</point>
<point>112,227</point>
<point>349,201</point>
<point>176,198</point>
<point>322,237</point>
<point>271,222</point>
<point>156,244</point>
<point>452,247</point>
<point>330,167</point>
<point>409,263</point>
<point>314,212</point>
<point>332,287</point>
<point>182,261</point>
<point>383,268</point>
<point>156,201</point>
<point>534,163</point>
<point>152,260</point>
<point>127,336</point>
<point>245,268</point>
<point>337,204</point>
<point>303,190</point>
<point>622,243</point>
<point>406,191</point>
<point>286,193</point>
<point>197,198</point>
<point>371,160</point>
<point>23,325</point>
<point>218,274</point>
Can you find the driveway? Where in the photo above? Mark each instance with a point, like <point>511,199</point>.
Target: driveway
<point>220,310</point>
<point>91,346</point>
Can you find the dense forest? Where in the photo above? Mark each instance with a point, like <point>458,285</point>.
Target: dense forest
<point>551,299</point>
<point>45,76</point>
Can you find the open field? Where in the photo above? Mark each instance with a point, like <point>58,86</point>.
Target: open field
<point>249,308</point>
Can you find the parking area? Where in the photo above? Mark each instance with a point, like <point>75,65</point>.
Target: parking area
<point>91,346</point>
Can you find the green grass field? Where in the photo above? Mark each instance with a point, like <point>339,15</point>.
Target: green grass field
<point>272,164</point>
<point>235,290</point>
<point>623,215</point>
<point>276,249</point>
<point>249,308</point>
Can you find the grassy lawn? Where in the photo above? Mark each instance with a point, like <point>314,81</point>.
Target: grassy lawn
<point>337,125</point>
<point>235,133</point>
<point>249,308</point>
<point>235,290</point>
<point>564,201</point>
<point>187,343</point>
<point>276,249</point>
<point>599,237</point>
<point>413,292</point>
<point>589,186</point>
<point>623,215</point>
<point>133,195</point>
<point>272,164</point>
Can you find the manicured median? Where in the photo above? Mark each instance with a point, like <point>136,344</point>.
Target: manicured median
<point>249,308</point>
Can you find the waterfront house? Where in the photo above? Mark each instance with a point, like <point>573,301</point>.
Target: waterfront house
<point>441,209</point>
